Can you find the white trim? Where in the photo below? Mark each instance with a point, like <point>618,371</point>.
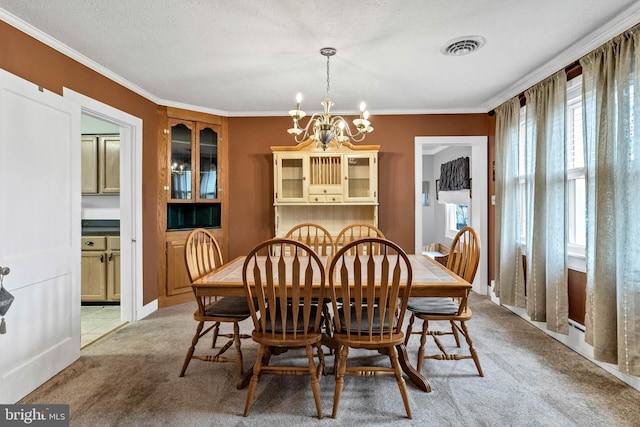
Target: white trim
<point>130,201</point>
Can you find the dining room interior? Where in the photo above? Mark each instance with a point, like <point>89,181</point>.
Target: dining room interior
<point>518,230</point>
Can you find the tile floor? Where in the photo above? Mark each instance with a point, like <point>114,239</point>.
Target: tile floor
<point>97,321</point>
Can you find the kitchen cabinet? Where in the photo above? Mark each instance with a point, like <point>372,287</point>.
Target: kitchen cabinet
<point>100,161</point>
<point>333,188</point>
<point>193,167</point>
<point>100,268</point>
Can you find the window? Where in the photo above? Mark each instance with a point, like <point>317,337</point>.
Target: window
<point>575,169</point>
<point>457,218</point>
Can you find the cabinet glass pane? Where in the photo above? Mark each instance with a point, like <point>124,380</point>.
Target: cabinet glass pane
<point>181,162</point>
<point>358,177</point>
<point>292,178</point>
<point>208,164</point>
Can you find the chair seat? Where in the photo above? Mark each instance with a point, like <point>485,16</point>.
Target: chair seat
<point>230,307</point>
<point>289,322</point>
<point>433,305</point>
<point>364,325</point>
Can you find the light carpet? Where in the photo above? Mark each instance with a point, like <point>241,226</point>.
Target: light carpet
<point>130,378</point>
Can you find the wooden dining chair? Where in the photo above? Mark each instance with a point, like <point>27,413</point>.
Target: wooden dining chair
<point>463,260</point>
<point>279,288</point>
<point>372,318</point>
<point>356,232</point>
<point>203,255</point>
<point>315,236</point>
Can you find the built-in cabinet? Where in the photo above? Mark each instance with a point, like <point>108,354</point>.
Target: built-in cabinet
<point>100,164</point>
<point>100,269</point>
<point>333,188</point>
<point>193,166</point>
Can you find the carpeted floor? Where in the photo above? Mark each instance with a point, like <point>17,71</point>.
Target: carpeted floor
<point>130,378</point>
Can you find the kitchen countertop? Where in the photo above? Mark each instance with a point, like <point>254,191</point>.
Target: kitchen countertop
<point>100,227</point>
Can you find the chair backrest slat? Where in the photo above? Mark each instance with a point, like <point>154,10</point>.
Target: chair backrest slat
<point>464,254</point>
<point>367,283</point>
<point>280,288</point>
<point>315,236</point>
<point>354,232</point>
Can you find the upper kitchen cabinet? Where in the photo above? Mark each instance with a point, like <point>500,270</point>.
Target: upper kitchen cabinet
<point>100,164</point>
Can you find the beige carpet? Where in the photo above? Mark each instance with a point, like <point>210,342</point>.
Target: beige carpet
<point>130,378</point>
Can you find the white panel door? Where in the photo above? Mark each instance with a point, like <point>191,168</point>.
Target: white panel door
<point>39,234</point>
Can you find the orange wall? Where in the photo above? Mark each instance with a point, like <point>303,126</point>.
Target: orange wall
<point>251,215</point>
<point>31,60</point>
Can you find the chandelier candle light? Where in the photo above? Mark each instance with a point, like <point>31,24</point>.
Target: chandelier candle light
<point>325,127</point>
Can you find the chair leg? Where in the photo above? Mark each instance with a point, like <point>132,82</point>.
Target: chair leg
<point>254,380</point>
<point>322,369</point>
<point>393,355</point>
<point>339,371</point>
<point>474,353</point>
<point>454,331</point>
<point>216,330</point>
<point>423,342</point>
<point>236,340</point>
<point>409,329</point>
<point>194,341</point>
<point>315,382</point>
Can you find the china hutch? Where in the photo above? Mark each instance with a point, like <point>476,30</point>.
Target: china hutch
<point>193,179</point>
<point>333,188</point>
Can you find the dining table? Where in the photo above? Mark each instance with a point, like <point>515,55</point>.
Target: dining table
<point>430,279</point>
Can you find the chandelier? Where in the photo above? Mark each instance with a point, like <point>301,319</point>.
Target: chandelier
<point>322,128</point>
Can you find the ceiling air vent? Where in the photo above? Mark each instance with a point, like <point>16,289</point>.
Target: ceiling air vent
<point>463,45</point>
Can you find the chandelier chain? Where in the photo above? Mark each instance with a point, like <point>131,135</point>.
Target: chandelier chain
<point>328,86</point>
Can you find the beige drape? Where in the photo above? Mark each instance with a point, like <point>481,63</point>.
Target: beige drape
<point>509,283</point>
<point>546,229</point>
<point>611,117</point>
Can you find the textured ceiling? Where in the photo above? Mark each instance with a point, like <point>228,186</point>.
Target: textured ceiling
<point>251,57</point>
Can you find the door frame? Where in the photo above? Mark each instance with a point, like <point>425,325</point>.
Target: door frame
<point>131,283</point>
<point>480,214</point>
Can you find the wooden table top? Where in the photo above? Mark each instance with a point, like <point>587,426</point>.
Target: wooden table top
<point>430,278</point>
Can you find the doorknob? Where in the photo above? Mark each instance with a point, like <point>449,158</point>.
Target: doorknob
<point>4,271</point>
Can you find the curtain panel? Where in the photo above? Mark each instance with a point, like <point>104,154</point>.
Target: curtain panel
<point>509,283</point>
<point>611,117</point>
<point>546,223</point>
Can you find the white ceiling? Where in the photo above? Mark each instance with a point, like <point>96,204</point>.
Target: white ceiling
<point>251,57</point>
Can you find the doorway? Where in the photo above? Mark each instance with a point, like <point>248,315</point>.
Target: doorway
<point>478,218</point>
<point>130,209</point>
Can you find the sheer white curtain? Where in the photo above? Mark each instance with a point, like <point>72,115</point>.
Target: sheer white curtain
<point>509,283</point>
<point>611,114</point>
<point>546,235</point>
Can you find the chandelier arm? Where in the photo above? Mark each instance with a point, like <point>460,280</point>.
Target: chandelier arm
<point>304,135</point>
<point>347,128</point>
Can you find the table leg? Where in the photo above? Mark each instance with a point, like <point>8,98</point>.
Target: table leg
<point>244,380</point>
<point>416,377</point>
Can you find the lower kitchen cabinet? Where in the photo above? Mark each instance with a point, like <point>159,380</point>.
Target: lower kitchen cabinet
<point>100,269</point>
